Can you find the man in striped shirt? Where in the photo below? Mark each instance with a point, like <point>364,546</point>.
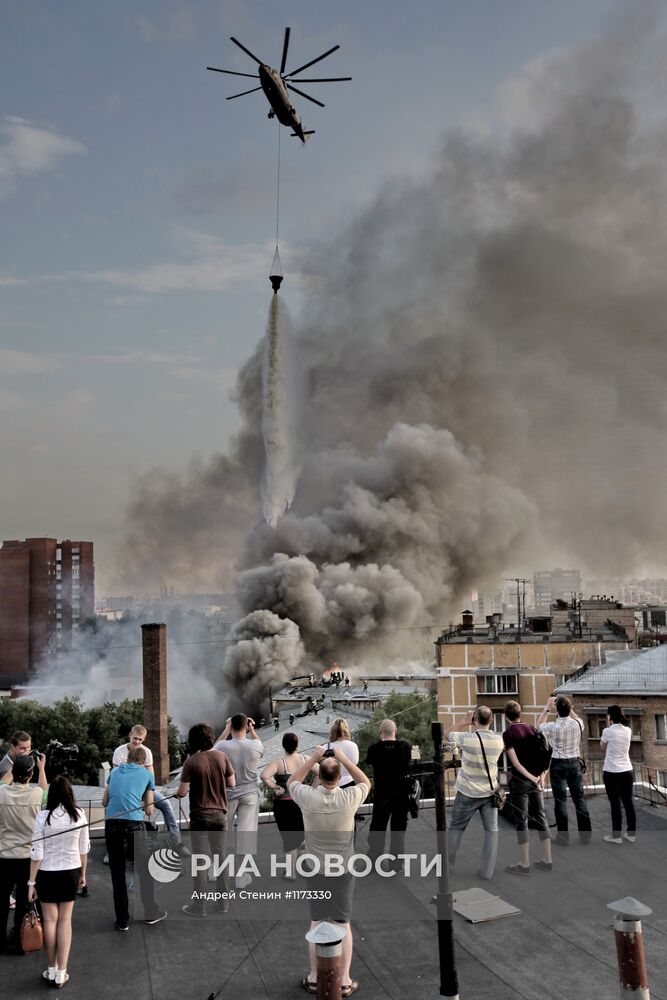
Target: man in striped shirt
<point>474,791</point>
<point>566,770</point>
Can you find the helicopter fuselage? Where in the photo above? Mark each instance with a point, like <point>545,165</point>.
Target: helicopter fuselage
<point>278,97</point>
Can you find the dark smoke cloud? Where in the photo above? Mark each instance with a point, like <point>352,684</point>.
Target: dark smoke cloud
<point>484,374</point>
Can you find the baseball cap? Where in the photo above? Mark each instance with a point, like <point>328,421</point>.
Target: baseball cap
<point>22,766</point>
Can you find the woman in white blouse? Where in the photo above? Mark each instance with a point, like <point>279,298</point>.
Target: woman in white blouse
<point>59,855</point>
<point>340,734</point>
<point>618,775</point>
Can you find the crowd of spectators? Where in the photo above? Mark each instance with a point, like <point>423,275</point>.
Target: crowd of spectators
<point>44,836</point>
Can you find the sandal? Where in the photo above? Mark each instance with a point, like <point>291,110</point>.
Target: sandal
<point>347,991</point>
<point>308,985</point>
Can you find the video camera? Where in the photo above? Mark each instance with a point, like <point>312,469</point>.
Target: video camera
<point>60,757</point>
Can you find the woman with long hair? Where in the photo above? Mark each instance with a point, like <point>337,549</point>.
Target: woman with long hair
<point>618,775</point>
<point>340,734</point>
<point>287,813</point>
<point>59,856</point>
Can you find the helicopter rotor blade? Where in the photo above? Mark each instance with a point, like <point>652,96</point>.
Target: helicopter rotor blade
<point>308,98</point>
<point>324,79</point>
<point>313,61</point>
<point>232,72</point>
<point>285,47</point>
<point>247,51</point>
<point>243,93</point>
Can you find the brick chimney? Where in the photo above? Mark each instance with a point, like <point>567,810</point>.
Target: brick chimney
<point>154,647</point>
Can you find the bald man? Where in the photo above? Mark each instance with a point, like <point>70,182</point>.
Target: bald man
<point>390,760</point>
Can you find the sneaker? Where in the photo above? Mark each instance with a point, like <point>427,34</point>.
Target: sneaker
<point>61,979</point>
<point>162,915</point>
<point>630,837</point>
<point>562,839</point>
<point>122,927</point>
<point>243,881</point>
<point>193,911</point>
<point>611,839</point>
<point>544,866</point>
<point>105,859</point>
<point>518,869</point>
<point>181,849</point>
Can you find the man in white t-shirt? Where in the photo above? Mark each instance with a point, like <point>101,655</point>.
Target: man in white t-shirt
<point>244,751</point>
<point>136,739</point>
<point>474,787</point>
<point>328,819</point>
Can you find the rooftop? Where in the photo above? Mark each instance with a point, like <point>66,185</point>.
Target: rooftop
<point>639,672</point>
<point>559,947</point>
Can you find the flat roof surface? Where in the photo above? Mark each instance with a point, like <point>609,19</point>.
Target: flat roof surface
<point>560,946</point>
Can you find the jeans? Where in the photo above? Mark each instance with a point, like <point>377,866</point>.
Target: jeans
<point>165,807</point>
<point>527,801</point>
<point>566,773</point>
<point>119,833</point>
<point>619,790</point>
<point>464,808</point>
<point>13,872</point>
<point>246,809</point>
<point>208,836</point>
<point>389,811</point>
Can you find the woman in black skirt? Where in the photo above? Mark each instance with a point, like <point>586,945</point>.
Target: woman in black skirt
<point>60,846</point>
<point>287,814</point>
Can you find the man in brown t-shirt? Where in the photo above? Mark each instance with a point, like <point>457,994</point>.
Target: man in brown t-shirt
<point>206,775</point>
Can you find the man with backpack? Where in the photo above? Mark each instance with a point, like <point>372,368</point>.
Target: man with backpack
<point>528,754</point>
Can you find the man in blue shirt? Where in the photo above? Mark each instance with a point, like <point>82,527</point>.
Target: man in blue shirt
<point>128,793</point>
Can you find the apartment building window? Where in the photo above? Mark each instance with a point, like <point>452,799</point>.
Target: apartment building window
<point>499,722</point>
<point>662,779</point>
<point>598,723</point>
<point>75,572</point>
<point>661,727</point>
<point>497,684</point>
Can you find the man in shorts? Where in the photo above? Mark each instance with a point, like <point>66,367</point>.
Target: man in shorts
<point>328,819</point>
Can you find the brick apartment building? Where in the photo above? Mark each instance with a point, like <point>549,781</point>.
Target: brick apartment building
<point>491,664</point>
<point>47,588</point>
<point>637,681</point>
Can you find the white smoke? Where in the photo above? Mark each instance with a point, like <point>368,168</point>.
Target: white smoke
<point>107,666</point>
<point>278,430</point>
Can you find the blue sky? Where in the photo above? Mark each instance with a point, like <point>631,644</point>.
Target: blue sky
<point>137,209</point>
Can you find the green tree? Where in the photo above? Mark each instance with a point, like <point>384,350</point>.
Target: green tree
<point>413,715</point>
<point>96,731</point>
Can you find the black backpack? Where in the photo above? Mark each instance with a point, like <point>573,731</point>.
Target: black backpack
<point>540,752</point>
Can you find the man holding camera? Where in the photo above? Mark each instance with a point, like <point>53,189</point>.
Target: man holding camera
<point>244,750</point>
<point>20,745</point>
<point>328,819</point>
<point>480,750</point>
<point>567,767</point>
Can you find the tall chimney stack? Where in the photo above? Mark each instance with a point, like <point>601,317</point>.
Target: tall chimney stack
<point>154,647</point>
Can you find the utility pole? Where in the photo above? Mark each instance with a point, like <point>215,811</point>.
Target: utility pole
<point>449,982</point>
<point>520,605</point>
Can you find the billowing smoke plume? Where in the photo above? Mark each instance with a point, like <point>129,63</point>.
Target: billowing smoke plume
<point>484,374</point>
<point>278,431</point>
<point>268,650</point>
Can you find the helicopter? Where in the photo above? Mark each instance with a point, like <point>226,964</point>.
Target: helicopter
<point>276,84</point>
